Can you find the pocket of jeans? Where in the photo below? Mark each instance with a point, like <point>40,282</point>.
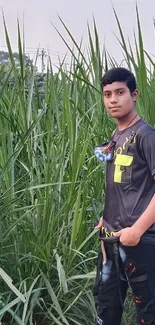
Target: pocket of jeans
<point>101,315</point>
<point>138,280</point>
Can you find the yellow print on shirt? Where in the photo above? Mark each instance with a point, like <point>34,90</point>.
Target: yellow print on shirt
<point>122,161</point>
<point>106,232</point>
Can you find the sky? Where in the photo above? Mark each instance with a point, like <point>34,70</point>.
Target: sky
<point>38,18</point>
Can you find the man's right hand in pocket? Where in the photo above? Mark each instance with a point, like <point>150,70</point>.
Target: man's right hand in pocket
<point>100,224</point>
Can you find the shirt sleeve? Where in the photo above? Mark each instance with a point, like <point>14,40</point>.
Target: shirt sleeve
<point>147,146</point>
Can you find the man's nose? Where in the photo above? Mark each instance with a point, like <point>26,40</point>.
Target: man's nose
<point>114,99</point>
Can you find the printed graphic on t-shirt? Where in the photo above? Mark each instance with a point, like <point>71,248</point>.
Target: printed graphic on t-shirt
<point>123,163</point>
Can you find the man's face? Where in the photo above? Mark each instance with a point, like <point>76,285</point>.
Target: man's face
<point>118,100</point>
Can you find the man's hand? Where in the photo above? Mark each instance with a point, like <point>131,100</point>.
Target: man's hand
<point>128,236</point>
<point>100,224</point>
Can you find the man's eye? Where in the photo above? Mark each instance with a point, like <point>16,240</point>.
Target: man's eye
<point>120,92</point>
<point>107,95</point>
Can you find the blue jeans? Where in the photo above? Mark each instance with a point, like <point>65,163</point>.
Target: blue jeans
<point>135,267</point>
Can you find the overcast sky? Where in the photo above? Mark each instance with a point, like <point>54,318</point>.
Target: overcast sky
<point>39,31</point>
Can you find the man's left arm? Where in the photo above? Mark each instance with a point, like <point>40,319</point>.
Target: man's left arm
<point>130,236</point>
<point>146,219</point>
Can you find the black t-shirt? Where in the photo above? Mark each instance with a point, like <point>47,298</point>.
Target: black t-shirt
<point>130,185</point>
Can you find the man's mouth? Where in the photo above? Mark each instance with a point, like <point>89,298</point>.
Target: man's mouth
<point>115,107</point>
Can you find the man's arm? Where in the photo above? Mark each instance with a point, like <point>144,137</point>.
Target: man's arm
<point>130,236</point>
<point>146,219</point>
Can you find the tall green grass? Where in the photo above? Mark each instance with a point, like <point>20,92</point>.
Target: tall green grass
<point>52,188</point>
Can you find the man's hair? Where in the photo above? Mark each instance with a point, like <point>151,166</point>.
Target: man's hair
<point>120,75</point>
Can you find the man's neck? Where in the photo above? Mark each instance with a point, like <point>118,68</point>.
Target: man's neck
<point>127,121</point>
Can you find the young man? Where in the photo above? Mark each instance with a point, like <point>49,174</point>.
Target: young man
<point>129,211</point>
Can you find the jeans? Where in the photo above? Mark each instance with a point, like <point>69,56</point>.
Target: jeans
<point>135,268</point>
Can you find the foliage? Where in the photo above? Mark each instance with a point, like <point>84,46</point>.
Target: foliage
<point>5,59</point>
<point>52,187</point>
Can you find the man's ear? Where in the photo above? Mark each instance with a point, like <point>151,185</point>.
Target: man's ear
<point>135,95</point>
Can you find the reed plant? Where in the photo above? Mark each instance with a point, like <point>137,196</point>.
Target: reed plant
<point>52,187</point>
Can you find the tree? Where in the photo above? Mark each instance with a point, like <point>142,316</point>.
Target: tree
<point>5,59</point>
